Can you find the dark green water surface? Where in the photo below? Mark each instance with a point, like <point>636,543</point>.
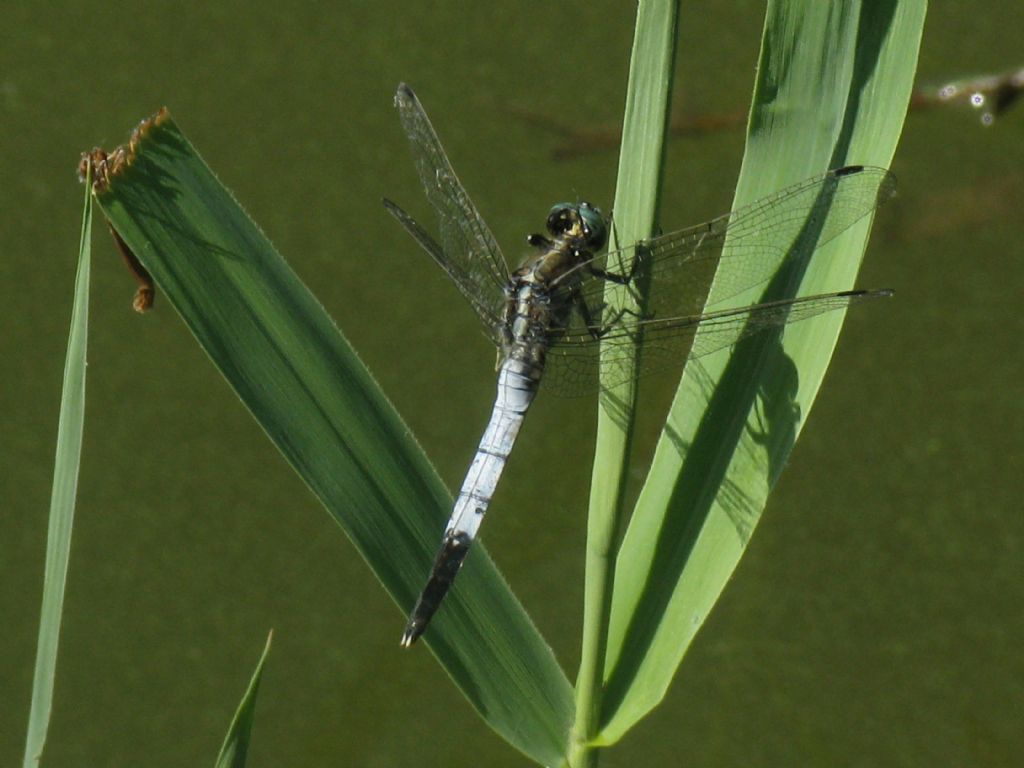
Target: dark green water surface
<point>876,619</point>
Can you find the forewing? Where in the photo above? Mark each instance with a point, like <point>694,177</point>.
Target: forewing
<point>485,311</point>
<point>469,253</point>
<point>749,245</point>
<point>746,247</point>
<point>572,365</point>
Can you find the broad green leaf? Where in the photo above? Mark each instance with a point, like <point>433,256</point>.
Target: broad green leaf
<point>236,744</point>
<point>62,501</point>
<point>291,367</point>
<point>832,89</point>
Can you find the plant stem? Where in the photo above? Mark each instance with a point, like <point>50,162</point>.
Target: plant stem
<point>645,125</point>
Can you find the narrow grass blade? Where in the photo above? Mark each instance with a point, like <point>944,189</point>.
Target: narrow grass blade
<point>62,500</point>
<point>236,744</point>
<point>306,387</point>
<point>641,159</point>
<point>832,89</point>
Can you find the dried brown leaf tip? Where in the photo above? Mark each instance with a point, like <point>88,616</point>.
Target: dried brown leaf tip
<point>103,167</point>
<point>145,294</point>
<point>107,165</point>
<point>143,129</point>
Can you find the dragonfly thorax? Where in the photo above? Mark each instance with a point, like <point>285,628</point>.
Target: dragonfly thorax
<point>576,232</point>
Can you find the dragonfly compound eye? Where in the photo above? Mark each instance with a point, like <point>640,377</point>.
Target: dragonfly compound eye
<point>563,217</point>
<point>594,228</point>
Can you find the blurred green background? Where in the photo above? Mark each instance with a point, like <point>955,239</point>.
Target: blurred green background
<point>876,618</point>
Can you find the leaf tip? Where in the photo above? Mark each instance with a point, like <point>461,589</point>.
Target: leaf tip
<point>107,165</point>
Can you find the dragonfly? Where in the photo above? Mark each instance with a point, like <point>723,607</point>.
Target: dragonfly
<point>549,320</point>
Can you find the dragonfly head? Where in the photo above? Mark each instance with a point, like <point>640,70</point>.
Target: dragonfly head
<point>580,220</point>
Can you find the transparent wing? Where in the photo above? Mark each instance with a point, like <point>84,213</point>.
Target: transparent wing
<point>485,305</point>
<point>468,252</point>
<point>572,365</point>
<point>761,237</point>
<point>746,247</point>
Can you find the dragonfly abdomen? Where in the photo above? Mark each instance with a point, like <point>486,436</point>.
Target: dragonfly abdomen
<point>517,386</point>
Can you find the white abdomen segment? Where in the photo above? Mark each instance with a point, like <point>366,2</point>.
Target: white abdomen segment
<point>516,390</point>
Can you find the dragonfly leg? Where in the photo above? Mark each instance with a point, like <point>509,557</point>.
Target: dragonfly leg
<point>612,276</point>
<point>621,312</point>
<point>595,330</point>
<point>598,329</point>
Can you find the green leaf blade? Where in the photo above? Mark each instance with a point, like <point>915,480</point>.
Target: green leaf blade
<point>235,749</point>
<point>306,387</point>
<point>62,500</point>
<point>833,87</point>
